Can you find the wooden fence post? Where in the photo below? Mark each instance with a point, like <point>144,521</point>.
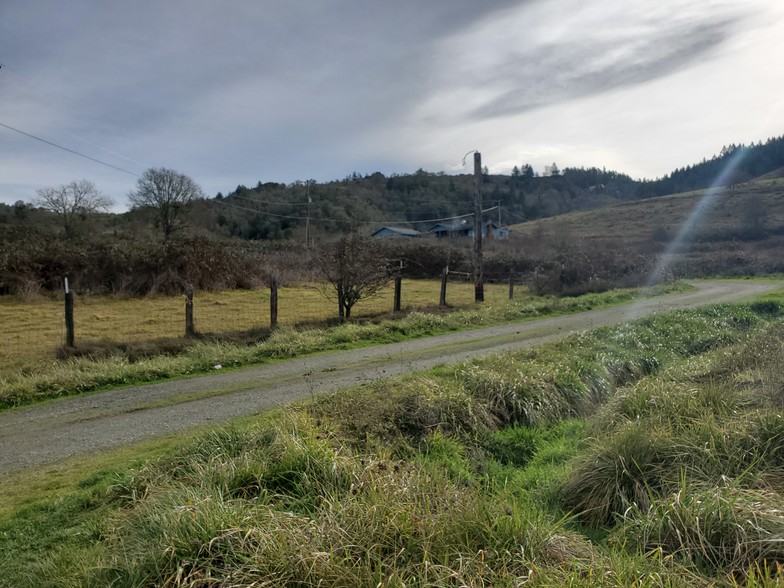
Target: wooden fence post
<point>189,329</point>
<point>511,286</point>
<point>274,284</point>
<point>398,289</point>
<point>69,316</point>
<point>442,299</point>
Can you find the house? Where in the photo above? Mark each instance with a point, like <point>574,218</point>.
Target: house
<point>464,228</point>
<point>496,232</point>
<point>455,228</point>
<point>385,232</point>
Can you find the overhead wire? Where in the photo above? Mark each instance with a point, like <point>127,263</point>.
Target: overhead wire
<point>21,132</point>
<point>379,222</point>
<point>41,91</point>
<point>285,203</point>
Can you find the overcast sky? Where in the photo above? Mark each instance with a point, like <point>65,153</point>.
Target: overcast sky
<point>243,91</point>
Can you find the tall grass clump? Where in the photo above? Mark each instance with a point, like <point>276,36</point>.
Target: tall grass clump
<point>719,528</point>
<point>652,433</point>
<point>615,473</point>
<point>399,414</point>
<point>310,513</point>
<point>527,393</point>
<point>690,465</point>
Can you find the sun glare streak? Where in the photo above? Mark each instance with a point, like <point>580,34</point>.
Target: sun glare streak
<point>706,202</point>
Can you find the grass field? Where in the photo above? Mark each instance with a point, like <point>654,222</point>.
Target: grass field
<point>35,330</point>
<point>647,454</point>
<point>37,374</point>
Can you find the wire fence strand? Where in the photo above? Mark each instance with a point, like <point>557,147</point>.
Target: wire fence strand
<point>35,331</point>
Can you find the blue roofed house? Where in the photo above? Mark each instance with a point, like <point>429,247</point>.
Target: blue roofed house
<point>385,232</point>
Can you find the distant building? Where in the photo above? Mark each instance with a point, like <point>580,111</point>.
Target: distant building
<point>496,232</point>
<point>386,232</point>
<point>463,228</point>
<point>456,228</point>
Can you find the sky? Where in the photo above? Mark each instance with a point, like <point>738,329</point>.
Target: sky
<point>243,91</point>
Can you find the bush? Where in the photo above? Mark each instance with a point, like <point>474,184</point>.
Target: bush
<point>122,265</point>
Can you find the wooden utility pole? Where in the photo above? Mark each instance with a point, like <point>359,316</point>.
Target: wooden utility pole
<point>479,289</point>
<point>307,218</point>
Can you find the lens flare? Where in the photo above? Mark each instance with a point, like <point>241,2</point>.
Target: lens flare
<point>706,202</point>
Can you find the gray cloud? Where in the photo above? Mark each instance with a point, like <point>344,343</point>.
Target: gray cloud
<point>556,73</point>
<point>236,92</point>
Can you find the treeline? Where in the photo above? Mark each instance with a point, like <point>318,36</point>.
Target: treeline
<point>733,165</point>
<point>35,263</point>
<point>236,240</point>
<point>274,211</point>
<point>281,211</point>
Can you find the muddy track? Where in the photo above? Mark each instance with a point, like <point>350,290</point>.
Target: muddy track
<point>53,431</point>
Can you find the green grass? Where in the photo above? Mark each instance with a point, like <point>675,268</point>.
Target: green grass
<point>488,473</point>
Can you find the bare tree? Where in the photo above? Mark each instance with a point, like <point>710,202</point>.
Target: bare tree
<point>355,268</point>
<point>73,202</point>
<point>168,193</point>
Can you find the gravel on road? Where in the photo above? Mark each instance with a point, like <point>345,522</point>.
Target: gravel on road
<point>56,430</point>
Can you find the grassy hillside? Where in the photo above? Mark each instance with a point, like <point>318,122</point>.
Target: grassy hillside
<point>648,454</point>
<point>739,232</point>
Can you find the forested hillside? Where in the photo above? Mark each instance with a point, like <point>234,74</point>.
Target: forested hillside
<point>274,211</point>
<point>239,239</point>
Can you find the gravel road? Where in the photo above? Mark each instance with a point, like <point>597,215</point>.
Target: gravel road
<point>53,431</point>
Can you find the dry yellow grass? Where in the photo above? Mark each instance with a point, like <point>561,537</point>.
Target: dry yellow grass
<point>35,330</point>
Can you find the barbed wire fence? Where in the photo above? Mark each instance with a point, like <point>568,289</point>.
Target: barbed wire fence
<point>35,331</point>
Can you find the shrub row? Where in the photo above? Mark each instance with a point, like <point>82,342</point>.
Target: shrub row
<point>30,264</point>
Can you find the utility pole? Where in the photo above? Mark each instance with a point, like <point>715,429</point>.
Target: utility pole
<point>479,289</point>
<point>307,218</point>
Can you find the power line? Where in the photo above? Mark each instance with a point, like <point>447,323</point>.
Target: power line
<point>41,91</point>
<point>245,208</point>
<point>68,150</point>
<point>284,203</point>
<point>380,222</point>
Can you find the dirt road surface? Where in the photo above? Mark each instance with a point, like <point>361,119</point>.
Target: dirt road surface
<point>53,431</point>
